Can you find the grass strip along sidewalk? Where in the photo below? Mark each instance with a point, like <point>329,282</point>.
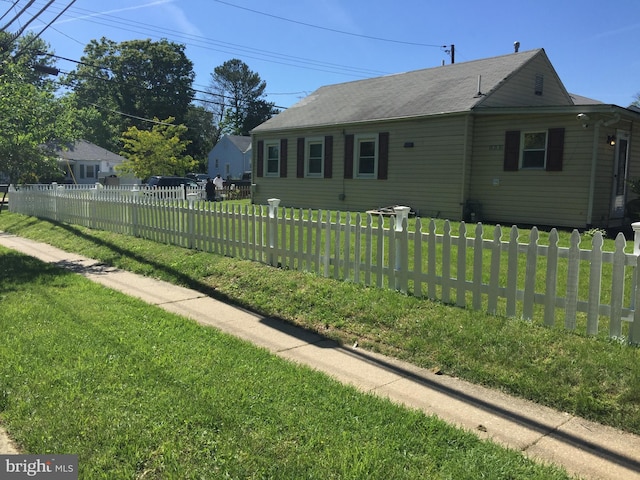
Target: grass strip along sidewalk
<point>140,393</point>
<point>592,377</point>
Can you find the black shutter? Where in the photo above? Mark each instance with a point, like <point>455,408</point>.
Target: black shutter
<point>555,148</point>
<point>348,156</point>
<point>283,157</point>
<point>383,155</point>
<point>260,159</point>
<point>300,158</point>
<point>328,156</point>
<point>511,150</point>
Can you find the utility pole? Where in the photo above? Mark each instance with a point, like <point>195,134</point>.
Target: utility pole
<point>453,54</point>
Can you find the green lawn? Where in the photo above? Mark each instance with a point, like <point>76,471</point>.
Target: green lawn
<point>137,392</point>
<point>592,377</point>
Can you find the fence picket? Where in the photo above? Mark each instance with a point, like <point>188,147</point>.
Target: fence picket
<point>494,276</point>
<point>551,279</point>
<point>461,274</point>
<point>512,273</point>
<point>530,275</point>
<point>595,284</point>
<point>617,288</point>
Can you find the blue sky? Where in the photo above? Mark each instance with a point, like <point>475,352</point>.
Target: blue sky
<point>297,46</point>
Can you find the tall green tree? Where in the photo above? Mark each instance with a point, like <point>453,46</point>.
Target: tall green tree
<point>159,151</point>
<point>237,95</point>
<point>33,120</point>
<point>131,81</point>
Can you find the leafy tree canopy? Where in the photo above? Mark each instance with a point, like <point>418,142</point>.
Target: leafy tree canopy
<point>130,81</point>
<point>159,151</point>
<point>238,97</point>
<point>33,121</point>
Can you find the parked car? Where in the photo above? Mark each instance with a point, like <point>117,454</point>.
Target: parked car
<point>159,181</point>
<point>200,178</point>
<point>167,181</point>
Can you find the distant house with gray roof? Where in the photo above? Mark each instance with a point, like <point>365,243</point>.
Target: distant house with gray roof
<point>498,139</point>
<point>230,157</point>
<point>85,163</point>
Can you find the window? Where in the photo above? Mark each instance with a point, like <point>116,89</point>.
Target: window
<point>534,149</point>
<point>272,157</point>
<point>314,157</point>
<point>366,157</point>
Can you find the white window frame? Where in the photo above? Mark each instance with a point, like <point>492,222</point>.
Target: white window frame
<point>523,150</point>
<point>268,144</point>
<point>307,157</point>
<point>358,140</point>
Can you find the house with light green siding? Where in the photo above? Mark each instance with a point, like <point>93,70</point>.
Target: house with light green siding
<point>496,140</point>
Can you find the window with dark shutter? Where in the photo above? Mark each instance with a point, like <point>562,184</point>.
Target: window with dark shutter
<point>260,159</point>
<point>511,150</point>
<point>283,157</point>
<point>383,155</point>
<point>328,156</point>
<point>300,158</point>
<point>555,149</point>
<point>348,156</point>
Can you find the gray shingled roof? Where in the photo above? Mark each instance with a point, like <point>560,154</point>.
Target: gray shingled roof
<point>87,151</point>
<point>242,143</point>
<point>431,91</point>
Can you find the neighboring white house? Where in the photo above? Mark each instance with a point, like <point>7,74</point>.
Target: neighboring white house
<point>231,157</point>
<point>86,163</point>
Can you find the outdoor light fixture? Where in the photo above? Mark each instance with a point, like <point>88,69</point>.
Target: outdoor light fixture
<point>611,140</point>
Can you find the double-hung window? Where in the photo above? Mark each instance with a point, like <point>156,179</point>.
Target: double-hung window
<point>366,156</point>
<point>314,153</point>
<point>272,158</point>
<point>534,149</point>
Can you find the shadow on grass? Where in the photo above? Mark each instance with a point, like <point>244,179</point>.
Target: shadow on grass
<point>176,275</point>
<point>312,337</point>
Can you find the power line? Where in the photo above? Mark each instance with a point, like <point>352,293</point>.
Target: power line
<point>24,47</point>
<point>17,15</point>
<point>380,39</point>
<point>226,47</point>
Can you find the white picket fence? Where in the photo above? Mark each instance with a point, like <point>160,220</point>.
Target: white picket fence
<point>586,289</point>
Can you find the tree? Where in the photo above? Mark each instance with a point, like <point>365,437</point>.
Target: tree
<point>201,134</point>
<point>159,151</point>
<point>33,121</point>
<point>131,81</point>
<point>237,93</point>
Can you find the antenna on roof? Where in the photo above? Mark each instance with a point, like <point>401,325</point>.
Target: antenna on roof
<point>516,46</point>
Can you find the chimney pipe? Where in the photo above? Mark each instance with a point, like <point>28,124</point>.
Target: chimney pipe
<point>516,46</point>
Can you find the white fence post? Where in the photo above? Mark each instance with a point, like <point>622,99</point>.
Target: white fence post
<point>272,227</point>
<point>401,260</point>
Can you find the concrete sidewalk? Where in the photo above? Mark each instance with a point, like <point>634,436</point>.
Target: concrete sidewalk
<point>584,448</point>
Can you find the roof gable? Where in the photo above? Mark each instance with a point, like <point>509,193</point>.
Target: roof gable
<point>87,151</point>
<point>242,143</point>
<point>432,91</point>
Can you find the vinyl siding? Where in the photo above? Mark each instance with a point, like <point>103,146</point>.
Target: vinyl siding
<point>434,179</point>
<point>519,90</point>
<point>530,196</point>
<point>427,177</point>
